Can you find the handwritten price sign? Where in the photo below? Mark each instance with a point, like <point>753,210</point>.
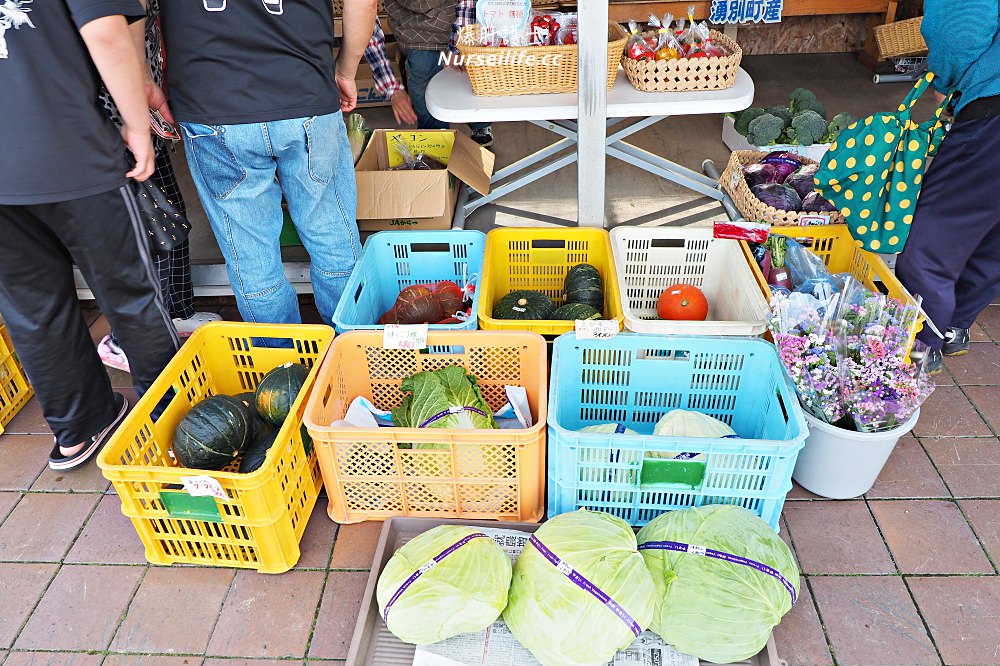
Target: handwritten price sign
<point>596,329</point>
<point>405,336</point>
<point>204,486</point>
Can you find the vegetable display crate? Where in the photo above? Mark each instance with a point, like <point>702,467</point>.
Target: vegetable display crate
<point>15,391</point>
<point>835,246</point>
<point>394,260</point>
<point>752,208</point>
<point>633,380</point>
<point>650,260</point>
<point>538,260</point>
<point>375,473</point>
<point>254,520</point>
<point>374,645</point>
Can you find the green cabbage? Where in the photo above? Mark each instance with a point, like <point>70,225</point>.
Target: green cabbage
<point>463,593</point>
<point>715,610</point>
<point>558,621</point>
<point>438,392</point>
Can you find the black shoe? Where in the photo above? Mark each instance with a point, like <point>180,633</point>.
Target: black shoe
<point>956,342</point>
<point>58,461</point>
<point>483,136</point>
<point>934,363</point>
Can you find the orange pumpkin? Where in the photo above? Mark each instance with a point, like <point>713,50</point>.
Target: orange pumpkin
<point>682,302</point>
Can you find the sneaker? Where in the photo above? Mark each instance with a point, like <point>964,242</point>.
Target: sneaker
<point>112,355</point>
<point>934,363</point>
<point>185,327</point>
<point>58,461</point>
<point>483,136</point>
<point>956,341</point>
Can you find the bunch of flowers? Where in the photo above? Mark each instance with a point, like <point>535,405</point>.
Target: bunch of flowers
<point>848,357</point>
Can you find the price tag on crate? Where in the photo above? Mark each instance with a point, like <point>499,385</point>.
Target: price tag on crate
<point>204,486</point>
<point>596,329</point>
<point>815,219</point>
<point>404,336</point>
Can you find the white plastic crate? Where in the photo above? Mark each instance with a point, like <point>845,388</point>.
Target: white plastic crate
<point>648,260</point>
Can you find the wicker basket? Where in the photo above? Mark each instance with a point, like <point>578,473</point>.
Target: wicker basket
<point>901,38</point>
<point>752,208</point>
<point>517,76</point>
<point>683,74</point>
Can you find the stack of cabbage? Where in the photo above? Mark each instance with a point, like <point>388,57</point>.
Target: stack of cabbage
<point>713,609</point>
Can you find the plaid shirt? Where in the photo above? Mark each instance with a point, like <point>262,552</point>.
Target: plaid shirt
<point>465,14</point>
<point>385,81</point>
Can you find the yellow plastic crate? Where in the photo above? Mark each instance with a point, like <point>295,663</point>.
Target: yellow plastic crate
<point>260,522</point>
<point>15,391</point>
<point>838,250</point>
<point>376,473</point>
<point>538,259</point>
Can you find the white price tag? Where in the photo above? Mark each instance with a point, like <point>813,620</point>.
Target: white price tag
<point>204,486</point>
<point>405,336</point>
<point>596,329</point>
<point>735,179</point>
<point>696,550</point>
<point>814,220</point>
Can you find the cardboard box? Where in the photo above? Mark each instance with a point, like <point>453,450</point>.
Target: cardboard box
<point>736,141</point>
<point>417,199</point>
<point>368,94</point>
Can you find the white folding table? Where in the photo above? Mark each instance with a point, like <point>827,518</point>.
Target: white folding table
<point>449,98</point>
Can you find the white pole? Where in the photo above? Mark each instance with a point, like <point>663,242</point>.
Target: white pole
<point>593,109</point>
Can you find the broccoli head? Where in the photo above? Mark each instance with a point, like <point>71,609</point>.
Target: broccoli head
<point>807,128</point>
<point>798,96</point>
<point>838,124</point>
<point>783,113</point>
<point>743,118</point>
<point>811,105</point>
<point>765,129</point>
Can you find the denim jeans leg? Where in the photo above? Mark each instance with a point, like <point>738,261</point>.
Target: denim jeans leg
<point>316,172</point>
<point>421,66</point>
<point>233,167</point>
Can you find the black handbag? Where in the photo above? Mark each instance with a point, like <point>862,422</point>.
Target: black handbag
<point>166,225</point>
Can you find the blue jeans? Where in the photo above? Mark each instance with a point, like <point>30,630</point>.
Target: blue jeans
<point>234,168</point>
<point>421,66</point>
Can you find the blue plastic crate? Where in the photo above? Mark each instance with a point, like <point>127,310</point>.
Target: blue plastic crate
<point>633,380</point>
<point>394,260</point>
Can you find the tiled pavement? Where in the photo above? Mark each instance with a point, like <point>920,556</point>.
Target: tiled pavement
<point>906,575</point>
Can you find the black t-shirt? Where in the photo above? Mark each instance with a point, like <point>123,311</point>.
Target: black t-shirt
<point>245,61</point>
<point>56,142</point>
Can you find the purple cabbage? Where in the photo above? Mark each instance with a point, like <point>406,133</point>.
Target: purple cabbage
<point>802,180</point>
<point>785,161</point>
<point>778,196</point>
<point>814,203</point>
<point>758,174</point>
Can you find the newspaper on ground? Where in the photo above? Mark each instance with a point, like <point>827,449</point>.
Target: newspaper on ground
<point>496,646</point>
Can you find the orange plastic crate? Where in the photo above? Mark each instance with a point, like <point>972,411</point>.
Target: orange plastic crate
<point>376,473</point>
<point>15,391</point>
<point>260,522</point>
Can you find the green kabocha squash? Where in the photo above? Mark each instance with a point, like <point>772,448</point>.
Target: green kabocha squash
<point>574,311</point>
<point>583,284</point>
<point>278,390</point>
<point>213,433</point>
<point>524,304</point>
<point>257,422</point>
<point>254,456</point>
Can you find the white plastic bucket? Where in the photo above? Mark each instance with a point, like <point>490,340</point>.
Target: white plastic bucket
<point>841,464</point>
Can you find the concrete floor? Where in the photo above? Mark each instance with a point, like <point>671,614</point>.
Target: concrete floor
<point>634,195</point>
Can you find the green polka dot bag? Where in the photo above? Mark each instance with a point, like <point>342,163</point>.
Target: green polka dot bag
<point>873,171</point>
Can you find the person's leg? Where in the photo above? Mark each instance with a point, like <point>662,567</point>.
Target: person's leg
<point>233,167</point>
<point>107,240</point>
<point>316,172</point>
<point>39,306</point>
<point>421,66</point>
<point>979,283</point>
<point>954,215</point>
